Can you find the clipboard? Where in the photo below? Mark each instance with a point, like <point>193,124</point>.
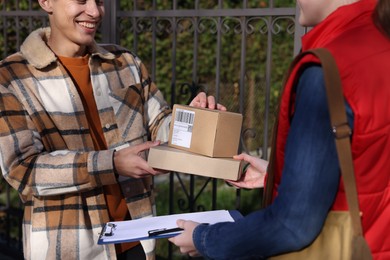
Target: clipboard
<point>160,226</point>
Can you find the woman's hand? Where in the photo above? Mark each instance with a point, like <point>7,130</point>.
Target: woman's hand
<point>254,175</point>
<point>184,240</point>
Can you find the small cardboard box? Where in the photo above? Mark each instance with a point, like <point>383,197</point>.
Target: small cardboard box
<point>172,159</point>
<point>207,132</point>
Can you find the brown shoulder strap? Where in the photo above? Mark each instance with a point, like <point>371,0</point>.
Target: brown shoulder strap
<point>341,131</point>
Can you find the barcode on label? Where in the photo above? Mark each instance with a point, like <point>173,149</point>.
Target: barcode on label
<point>185,116</point>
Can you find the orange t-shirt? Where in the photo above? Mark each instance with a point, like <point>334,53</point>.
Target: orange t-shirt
<point>79,70</point>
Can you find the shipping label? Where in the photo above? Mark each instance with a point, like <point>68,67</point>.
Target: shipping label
<point>182,127</point>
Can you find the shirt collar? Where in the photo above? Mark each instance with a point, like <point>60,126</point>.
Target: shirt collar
<point>39,55</point>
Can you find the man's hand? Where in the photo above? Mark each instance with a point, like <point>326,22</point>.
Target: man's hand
<point>128,161</point>
<point>204,101</point>
<point>184,240</point>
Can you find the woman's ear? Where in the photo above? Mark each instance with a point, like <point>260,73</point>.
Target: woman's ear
<point>46,5</point>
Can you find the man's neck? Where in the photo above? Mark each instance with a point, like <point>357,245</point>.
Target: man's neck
<point>77,51</point>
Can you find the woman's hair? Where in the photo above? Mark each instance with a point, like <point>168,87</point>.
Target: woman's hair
<point>382,16</point>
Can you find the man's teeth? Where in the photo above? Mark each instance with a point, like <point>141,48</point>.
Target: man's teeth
<point>88,25</point>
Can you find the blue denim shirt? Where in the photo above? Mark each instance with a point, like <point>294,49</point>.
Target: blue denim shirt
<point>306,192</point>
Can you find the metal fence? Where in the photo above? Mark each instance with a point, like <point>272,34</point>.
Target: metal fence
<point>237,52</point>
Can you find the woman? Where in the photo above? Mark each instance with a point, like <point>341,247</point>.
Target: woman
<point>357,34</point>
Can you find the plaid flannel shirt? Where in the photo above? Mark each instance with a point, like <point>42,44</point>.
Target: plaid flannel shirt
<point>47,153</point>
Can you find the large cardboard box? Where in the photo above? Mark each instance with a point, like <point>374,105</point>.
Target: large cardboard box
<point>207,132</point>
<point>172,159</point>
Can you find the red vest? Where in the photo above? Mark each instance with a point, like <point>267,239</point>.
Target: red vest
<point>362,55</point>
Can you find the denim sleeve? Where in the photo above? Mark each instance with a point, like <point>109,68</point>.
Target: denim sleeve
<point>306,193</point>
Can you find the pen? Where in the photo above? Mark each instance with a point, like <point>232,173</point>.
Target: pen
<point>161,231</point>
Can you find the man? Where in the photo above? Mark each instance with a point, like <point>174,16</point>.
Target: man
<point>76,121</point>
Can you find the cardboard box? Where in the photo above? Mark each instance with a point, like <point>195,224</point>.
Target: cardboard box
<point>207,132</point>
<point>172,159</point>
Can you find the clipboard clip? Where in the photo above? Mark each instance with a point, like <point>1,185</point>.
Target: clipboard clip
<point>162,231</point>
<point>108,230</point>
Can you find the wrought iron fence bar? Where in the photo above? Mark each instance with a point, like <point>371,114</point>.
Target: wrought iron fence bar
<point>171,192</point>
<point>218,57</point>
<point>134,21</point>
<point>214,194</point>
<point>17,22</point>
<point>267,94</point>
<point>195,49</point>
<point>242,67</point>
<point>173,60</point>
<point>191,199</point>
<point>210,13</point>
<point>107,34</point>
<point>20,13</point>
<point>154,44</point>
<point>218,62</point>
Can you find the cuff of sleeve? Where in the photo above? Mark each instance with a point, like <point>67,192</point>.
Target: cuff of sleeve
<point>163,130</point>
<point>199,238</point>
<point>101,167</point>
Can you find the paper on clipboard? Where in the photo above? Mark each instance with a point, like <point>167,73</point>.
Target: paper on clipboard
<point>138,229</point>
